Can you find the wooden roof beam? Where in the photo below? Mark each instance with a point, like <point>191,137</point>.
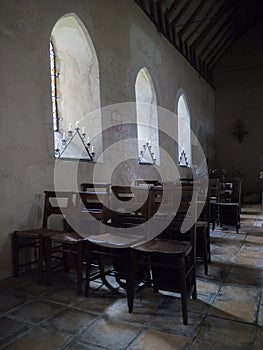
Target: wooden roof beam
<point>190,20</point>
<point>204,59</point>
<point>181,12</point>
<point>224,7</point>
<point>219,33</point>
<point>207,18</point>
<point>172,8</point>
<point>160,18</point>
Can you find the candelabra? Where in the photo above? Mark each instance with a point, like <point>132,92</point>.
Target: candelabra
<point>68,137</point>
<point>147,149</point>
<point>183,160</point>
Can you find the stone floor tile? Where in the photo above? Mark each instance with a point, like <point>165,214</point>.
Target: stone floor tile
<point>34,289</point>
<point>36,311</point>
<point>155,340</point>
<point>248,261</point>
<point>12,283</point>
<point>243,275</point>
<point>235,237</point>
<point>169,318</point>
<point>216,271</point>
<point>260,316</point>
<point>10,328</point>
<point>63,295</point>
<point>234,310</point>
<point>77,345</point>
<point>255,239</point>
<point>227,333</point>
<point>142,312</point>
<point>40,339</point>
<point>200,344</point>
<point>111,334</point>
<point>10,300</point>
<point>208,287</point>
<point>258,339</point>
<point>96,304</point>
<point>70,321</point>
<point>239,293</point>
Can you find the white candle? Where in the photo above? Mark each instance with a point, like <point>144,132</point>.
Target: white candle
<point>83,130</point>
<point>147,141</point>
<point>88,139</point>
<point>77,124</point>
<point>57,145</point>
<point>64,136</point>
<point>69,127</point>
<point>92,148</point>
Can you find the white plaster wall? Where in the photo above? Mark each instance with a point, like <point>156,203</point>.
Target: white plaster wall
<point>238,79</point>
<point>125,41</point>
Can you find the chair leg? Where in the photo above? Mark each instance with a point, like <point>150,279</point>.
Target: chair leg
<point>208,245</point>
<point>88,269</point>
<point>79,260</point>
<point>183,291</point>
<point>48,252</point>
<point>40,259</point>
<point>65,259</point>
<point>130,279</point>
<point>15,254</point>
<point>205,255</point>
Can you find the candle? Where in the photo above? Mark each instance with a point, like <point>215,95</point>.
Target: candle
<point>57,145</point>
<point>64,136</point>
<point>92,148</point>
<point>69,127</point>
<point>77,124</point>
<point>88,139</point>
<point>147,140</point>
<point>83,130</point>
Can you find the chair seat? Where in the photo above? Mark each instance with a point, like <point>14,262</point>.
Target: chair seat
<point>180,248</point>
<point>37,233</point>
<point>69,238</point>
<point>114,240</point>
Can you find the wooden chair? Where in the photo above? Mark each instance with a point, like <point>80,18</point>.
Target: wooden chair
<point>73,243</point>
<point>172,261</point>
<point>115,241</point>
<point>34,238</point>
<point>227,210</point>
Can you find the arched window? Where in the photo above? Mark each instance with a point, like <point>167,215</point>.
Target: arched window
<point>75,86</point>
<point>184,132</point>
<point>147,118</point>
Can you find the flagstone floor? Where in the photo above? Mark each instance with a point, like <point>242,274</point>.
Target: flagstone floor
<point>227,315</point>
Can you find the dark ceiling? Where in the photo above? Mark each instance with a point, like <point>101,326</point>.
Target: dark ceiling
<point>202,30</point>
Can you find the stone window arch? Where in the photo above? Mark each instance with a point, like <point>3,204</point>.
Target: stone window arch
<point>77,84</point>
<point>147,115</point>
<point>184,131</point>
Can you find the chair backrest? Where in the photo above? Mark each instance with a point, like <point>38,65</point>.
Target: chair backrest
<point>56,203</point>
<point>95,203</point>
<point>153,182</point>
<point>89,186</point>
<point>178,208</point>
<point>230,191</point>
<point>214,190</point>
<point>132,200</point>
